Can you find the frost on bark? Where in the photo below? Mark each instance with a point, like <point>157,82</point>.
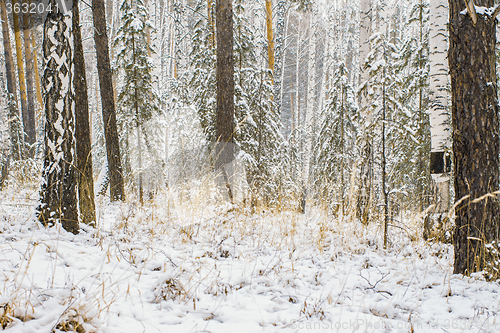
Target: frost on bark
<point>279,53</point>
<point>475,132</point>
<point>14,124</point>
<point>365,113</point>
<point>439,118</point>
<point>58,190</point>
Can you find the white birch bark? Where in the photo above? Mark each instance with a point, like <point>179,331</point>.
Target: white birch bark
<point>364,49</point>
<point>365,113</point>
<point>438,75</point>
<point>438,45</point>
<point>58,190</point>
<point>309,111</point>
<point>279,53</point>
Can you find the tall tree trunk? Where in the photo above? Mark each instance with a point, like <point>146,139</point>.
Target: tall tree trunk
<point>270,37</point>
<point>107,101</point>
<point>365,113</point>
<point>36,72</point>
<point>225,89</point>
<point>20,73</point>
<point>14,124</point>
<point>279,55</point>
<point>29,126</point>
<point>82,131</point>
<point>474,110</point>
<point>211,23</point>
<point>439,118</point>
<point>58,191</point>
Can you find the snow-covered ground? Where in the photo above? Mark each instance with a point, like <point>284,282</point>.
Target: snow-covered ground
<point>182,268</point>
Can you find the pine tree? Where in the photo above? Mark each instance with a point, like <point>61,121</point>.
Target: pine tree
<point>417,85</point>
<point>138,99</point>
<point>201,79</point>
<point>258,130</point>
<point>474,110</point>
<point>333,148</point>
<point>82,132</point>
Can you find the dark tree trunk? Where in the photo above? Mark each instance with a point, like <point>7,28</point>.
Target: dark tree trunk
<point>107,101</point>
<point>225,89</point>
<point>474,111</point>
<point>58,191</point>
<point>29,127</point>
<point>82,130</point>
<point>14,124</point>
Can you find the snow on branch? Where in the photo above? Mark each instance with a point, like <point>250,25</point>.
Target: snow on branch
<point>471,9</point>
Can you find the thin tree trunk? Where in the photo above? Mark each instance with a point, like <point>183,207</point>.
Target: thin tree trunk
<point>279,55</point>
<point>20,73</point>
<point>474,111</point>
<point>439,117</point>
<point>270,37</point>
<point>384,162</point>
<point>14,124</point>
<point>36,72</point>
<point>82,131</point>
<point>107,101</point>
<point>58,191</point>
<point>366,114</point>
<point>211,24</point>
<point>30,127</point>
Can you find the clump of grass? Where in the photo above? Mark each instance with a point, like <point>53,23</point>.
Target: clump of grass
<point>491,269</point>
<point>74,321</point>
<point>6,315</point>
<point>169,289</point>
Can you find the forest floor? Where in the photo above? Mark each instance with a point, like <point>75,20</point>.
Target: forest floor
<point>198,268</point>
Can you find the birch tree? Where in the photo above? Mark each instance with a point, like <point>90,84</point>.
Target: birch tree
<point>365,141</point>
<point>58,189</point>
<point>439,116</point>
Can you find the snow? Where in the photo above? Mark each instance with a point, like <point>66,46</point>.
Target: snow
<point>487,11</point>
<point>137,24</point>
<point>200,268</point>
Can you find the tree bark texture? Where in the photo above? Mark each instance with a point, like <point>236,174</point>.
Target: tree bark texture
<point>364,194</point>
<point>224,146</point>
<point>475,127</point>
<point>14,124</point>
<point>58,191</point>
<point>107,101</point>
<point>82,130</point>
<point>30,127</point>
<point>438,113</point>
<point>225,83</point>
<point>37,74</point>
<point>279,54</point>
<point>270,35</point>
